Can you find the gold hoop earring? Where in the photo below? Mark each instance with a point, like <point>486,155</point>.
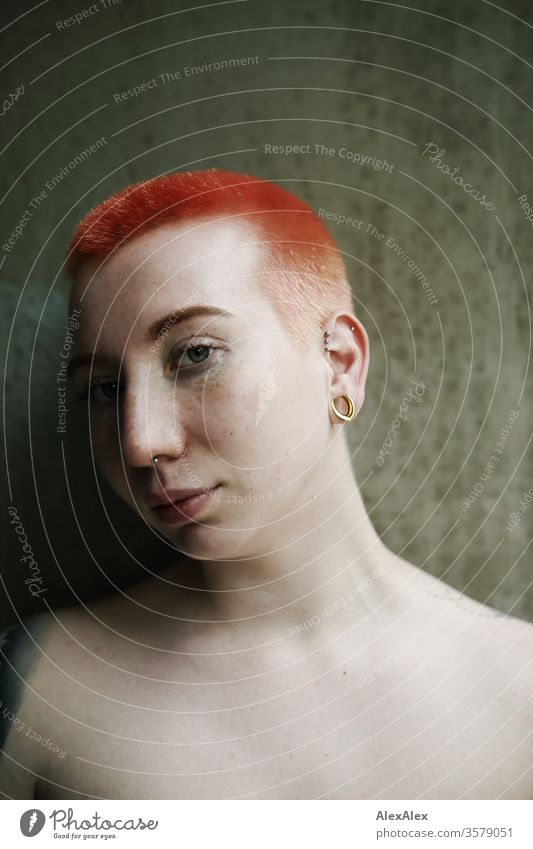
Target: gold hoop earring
<point>351,409</point>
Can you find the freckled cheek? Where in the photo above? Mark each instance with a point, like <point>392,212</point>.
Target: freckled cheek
<point>230,418</point>
<point>227,395</point>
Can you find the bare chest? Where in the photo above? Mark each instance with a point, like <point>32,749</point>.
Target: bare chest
<point>306,731</point>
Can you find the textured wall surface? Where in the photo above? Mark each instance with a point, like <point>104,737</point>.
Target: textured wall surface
<point>441,277</point>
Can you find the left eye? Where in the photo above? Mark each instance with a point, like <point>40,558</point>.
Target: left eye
<point>195,354</point>
<point>198,353</point>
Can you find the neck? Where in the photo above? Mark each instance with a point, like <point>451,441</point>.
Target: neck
<point>325,560</point>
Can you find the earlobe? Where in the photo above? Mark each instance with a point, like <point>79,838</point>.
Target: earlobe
<point>347,417</point>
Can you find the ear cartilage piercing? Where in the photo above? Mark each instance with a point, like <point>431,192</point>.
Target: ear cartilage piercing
<point>155,460</point>
<point>352,328</point>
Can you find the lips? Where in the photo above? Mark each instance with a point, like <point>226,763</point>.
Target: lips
<point>171,496</point>
<point>175,506</point>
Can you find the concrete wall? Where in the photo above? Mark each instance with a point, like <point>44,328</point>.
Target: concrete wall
<point>358,79</point>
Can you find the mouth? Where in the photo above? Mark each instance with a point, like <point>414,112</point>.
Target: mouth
<point>176,511</point>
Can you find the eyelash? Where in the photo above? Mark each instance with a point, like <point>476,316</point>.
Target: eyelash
<point>99,381</point>
<point>177,357</point>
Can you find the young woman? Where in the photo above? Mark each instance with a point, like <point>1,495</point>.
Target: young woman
<point>287,653</point>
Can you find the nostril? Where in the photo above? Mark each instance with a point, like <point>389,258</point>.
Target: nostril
<point>148,428</point>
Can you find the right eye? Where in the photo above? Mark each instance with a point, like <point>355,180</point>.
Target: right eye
<point>105,391</point>
<point>102,390</point>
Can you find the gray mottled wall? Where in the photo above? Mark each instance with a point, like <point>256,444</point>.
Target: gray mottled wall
<point>367,79</point>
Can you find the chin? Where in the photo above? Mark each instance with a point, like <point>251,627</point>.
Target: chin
<point>204,542</point>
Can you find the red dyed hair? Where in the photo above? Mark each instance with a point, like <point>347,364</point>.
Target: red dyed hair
<point>309,280</point>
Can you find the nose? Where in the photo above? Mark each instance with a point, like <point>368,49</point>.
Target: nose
<point>150,426</point>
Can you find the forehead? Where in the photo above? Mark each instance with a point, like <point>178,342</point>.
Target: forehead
<point>175,265</point>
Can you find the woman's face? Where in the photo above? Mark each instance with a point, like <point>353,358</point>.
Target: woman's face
<point>223,399</point>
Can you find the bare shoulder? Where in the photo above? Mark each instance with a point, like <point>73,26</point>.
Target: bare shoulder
<point>492,639</point>
<point>463,607</point>
<point>46,666</point>
<point>465,624</point>
<point>20,659</point>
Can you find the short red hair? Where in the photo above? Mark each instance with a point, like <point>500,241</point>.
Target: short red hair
<point>310,282</point>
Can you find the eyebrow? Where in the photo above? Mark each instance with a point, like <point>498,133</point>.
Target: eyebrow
<point>173,319</point>
<point>176,317</point>
<point>86,360</point>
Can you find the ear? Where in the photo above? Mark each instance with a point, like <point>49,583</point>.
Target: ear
<point>349,359</point>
